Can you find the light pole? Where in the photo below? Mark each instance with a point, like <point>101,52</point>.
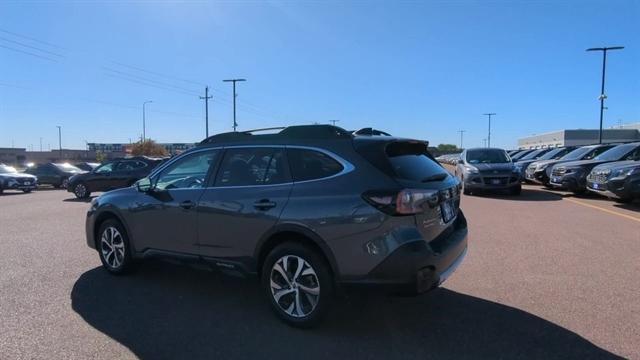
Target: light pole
<point>60,139</point>
<point>144,120</point>
<point>461,132</point>
<point>602,96</point>
<point>234,81</point>
<point>489,136</point>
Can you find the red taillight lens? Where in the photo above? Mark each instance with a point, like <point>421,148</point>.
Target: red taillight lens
<point>403,202</point>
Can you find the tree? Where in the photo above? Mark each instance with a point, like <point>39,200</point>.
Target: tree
<point>448,148</point>
<point>100,156</point>
<point>148,148</point>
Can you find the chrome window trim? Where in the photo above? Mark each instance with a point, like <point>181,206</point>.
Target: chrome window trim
<point>347,167</point>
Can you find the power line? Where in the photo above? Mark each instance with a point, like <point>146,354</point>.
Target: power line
<point>156,82</point>
<point>30,47</point>
<point>29,53</point>
<point>157,73</point>
<point>149,84</point>
<point>30,38</point>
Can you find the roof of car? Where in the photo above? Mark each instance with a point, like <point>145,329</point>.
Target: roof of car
<point>298,135</point>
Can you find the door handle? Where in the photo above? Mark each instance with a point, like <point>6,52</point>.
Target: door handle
<point>264,204</point>
<point>187,204</point>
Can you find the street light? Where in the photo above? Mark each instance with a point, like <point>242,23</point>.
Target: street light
<point>144,125</point>
<point>489,137</point>
<point>602,96</point>
<point>60,139</point>
<point>234,81</point>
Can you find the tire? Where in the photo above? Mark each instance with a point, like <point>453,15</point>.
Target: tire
<point>81,191</point>
<point>287,295</point>
<point>64,183</point>
<point>623,200</point>
<point>26,191</point>
<point>114,248</point>
<point>516,190</point>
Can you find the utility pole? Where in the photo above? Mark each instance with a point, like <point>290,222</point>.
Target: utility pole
<point>144,120</point>
<point>41,144</point>
<point>484,142</point>
<point>206,109</point>
<point>489,136</point>
<point>602,96</point>
<point>234,81</point>
<point>60,139</point>
<point>461,132</point>
<point>333,122</point>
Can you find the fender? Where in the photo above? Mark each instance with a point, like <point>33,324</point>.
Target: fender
<point>307,232</point>
<point>108,208</point>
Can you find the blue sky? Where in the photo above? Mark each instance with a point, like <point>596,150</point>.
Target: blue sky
<point>416,69</point>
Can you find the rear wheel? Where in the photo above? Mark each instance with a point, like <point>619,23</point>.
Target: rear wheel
<point>623,200</point>
<point>298,283</point>
<point>113,247</point>
<point>26,191</point>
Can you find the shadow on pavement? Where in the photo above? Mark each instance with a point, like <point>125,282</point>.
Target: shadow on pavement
<point>166,311</point>
<point>526,195</point>
<point>74,199</point>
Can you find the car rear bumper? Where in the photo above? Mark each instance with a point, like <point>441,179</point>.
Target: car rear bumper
<point>419,266</point>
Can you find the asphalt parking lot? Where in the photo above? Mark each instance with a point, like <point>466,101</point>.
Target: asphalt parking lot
<point>547,276</point>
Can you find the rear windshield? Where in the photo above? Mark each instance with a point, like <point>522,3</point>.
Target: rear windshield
<point>67,167</point>
<point>487,156</point>
<point>411,161</point>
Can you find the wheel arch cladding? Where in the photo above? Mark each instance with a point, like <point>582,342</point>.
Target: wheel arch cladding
<point>297,234</point>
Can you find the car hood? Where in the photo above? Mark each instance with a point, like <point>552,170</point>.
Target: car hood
<point>486,167</point>
<point>17,176</point>
<point>583,163</point>
<point>618,165</point>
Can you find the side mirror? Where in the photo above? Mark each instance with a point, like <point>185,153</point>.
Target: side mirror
<point>144,185</point>
<point>460,161</point>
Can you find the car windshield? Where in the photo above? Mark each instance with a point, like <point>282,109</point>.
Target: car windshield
<point>578,153</point>
<point>67,167</point>
<point>616,153</point>
<point>533,155</point>
<point>553,154</point>
<point>487,156</point>
<point>7,169</point>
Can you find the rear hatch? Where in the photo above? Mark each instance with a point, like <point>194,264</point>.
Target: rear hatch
<point>415,171</point>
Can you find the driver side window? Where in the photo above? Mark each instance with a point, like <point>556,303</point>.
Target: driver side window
<point>106,168</point>
<point>190,172</point>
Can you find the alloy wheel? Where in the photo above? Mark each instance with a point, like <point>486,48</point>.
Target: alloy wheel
<point>65,183</point>
<point>80,191</point>
<point>112,247</point>
<point>295,286</point>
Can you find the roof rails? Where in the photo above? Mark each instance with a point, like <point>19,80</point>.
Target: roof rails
<point>289,132</point>
<point>370,132</point>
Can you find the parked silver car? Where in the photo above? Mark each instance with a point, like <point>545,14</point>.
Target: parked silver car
<point>487,169</point>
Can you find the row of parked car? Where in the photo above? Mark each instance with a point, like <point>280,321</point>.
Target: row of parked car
<point>611,170</point>
<point>81,179</point>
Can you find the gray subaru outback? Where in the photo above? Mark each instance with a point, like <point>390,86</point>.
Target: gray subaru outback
<point>309,210</point>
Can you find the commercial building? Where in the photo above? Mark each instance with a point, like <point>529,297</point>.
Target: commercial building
<point>578,137</point>
<point>124,148</point>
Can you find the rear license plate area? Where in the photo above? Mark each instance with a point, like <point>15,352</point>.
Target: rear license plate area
<point>448,210</point>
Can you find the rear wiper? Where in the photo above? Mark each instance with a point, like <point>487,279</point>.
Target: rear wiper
<point>435,177</point>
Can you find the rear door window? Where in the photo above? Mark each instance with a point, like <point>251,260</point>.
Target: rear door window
<point>307,164</point>
<point>253,166</point>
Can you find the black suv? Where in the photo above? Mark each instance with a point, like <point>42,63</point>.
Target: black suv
<point>112,175</point>
<point>619,180</point>
<point>56,174</point>
<point>308,210</point>
<point>573,175</point>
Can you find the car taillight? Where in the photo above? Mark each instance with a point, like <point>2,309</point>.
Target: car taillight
<point>403,202</point>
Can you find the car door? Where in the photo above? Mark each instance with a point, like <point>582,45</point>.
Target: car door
<point>48,174</point>
<point>250,191</point>
<point>99,178</point>
<point>123,174</point>
<point>165,217</point>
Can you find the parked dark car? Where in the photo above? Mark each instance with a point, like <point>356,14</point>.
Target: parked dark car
<point>56,174</point>
<point>551,154</point>
<point>618,180</point>
<point>540,170</point>
<point>11,179</point>
<point>87,166</point>
<point>308,210</point>
<point>573,175</point>
<point>487,169</point>
<point>112,175</point>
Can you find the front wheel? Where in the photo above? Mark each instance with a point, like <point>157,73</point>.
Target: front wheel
<point>113,247</point>
<point>81,191</point>
<point>516,190</point>
<point>63,184</point>
<point>298,283</point>
<point>26,191</point>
